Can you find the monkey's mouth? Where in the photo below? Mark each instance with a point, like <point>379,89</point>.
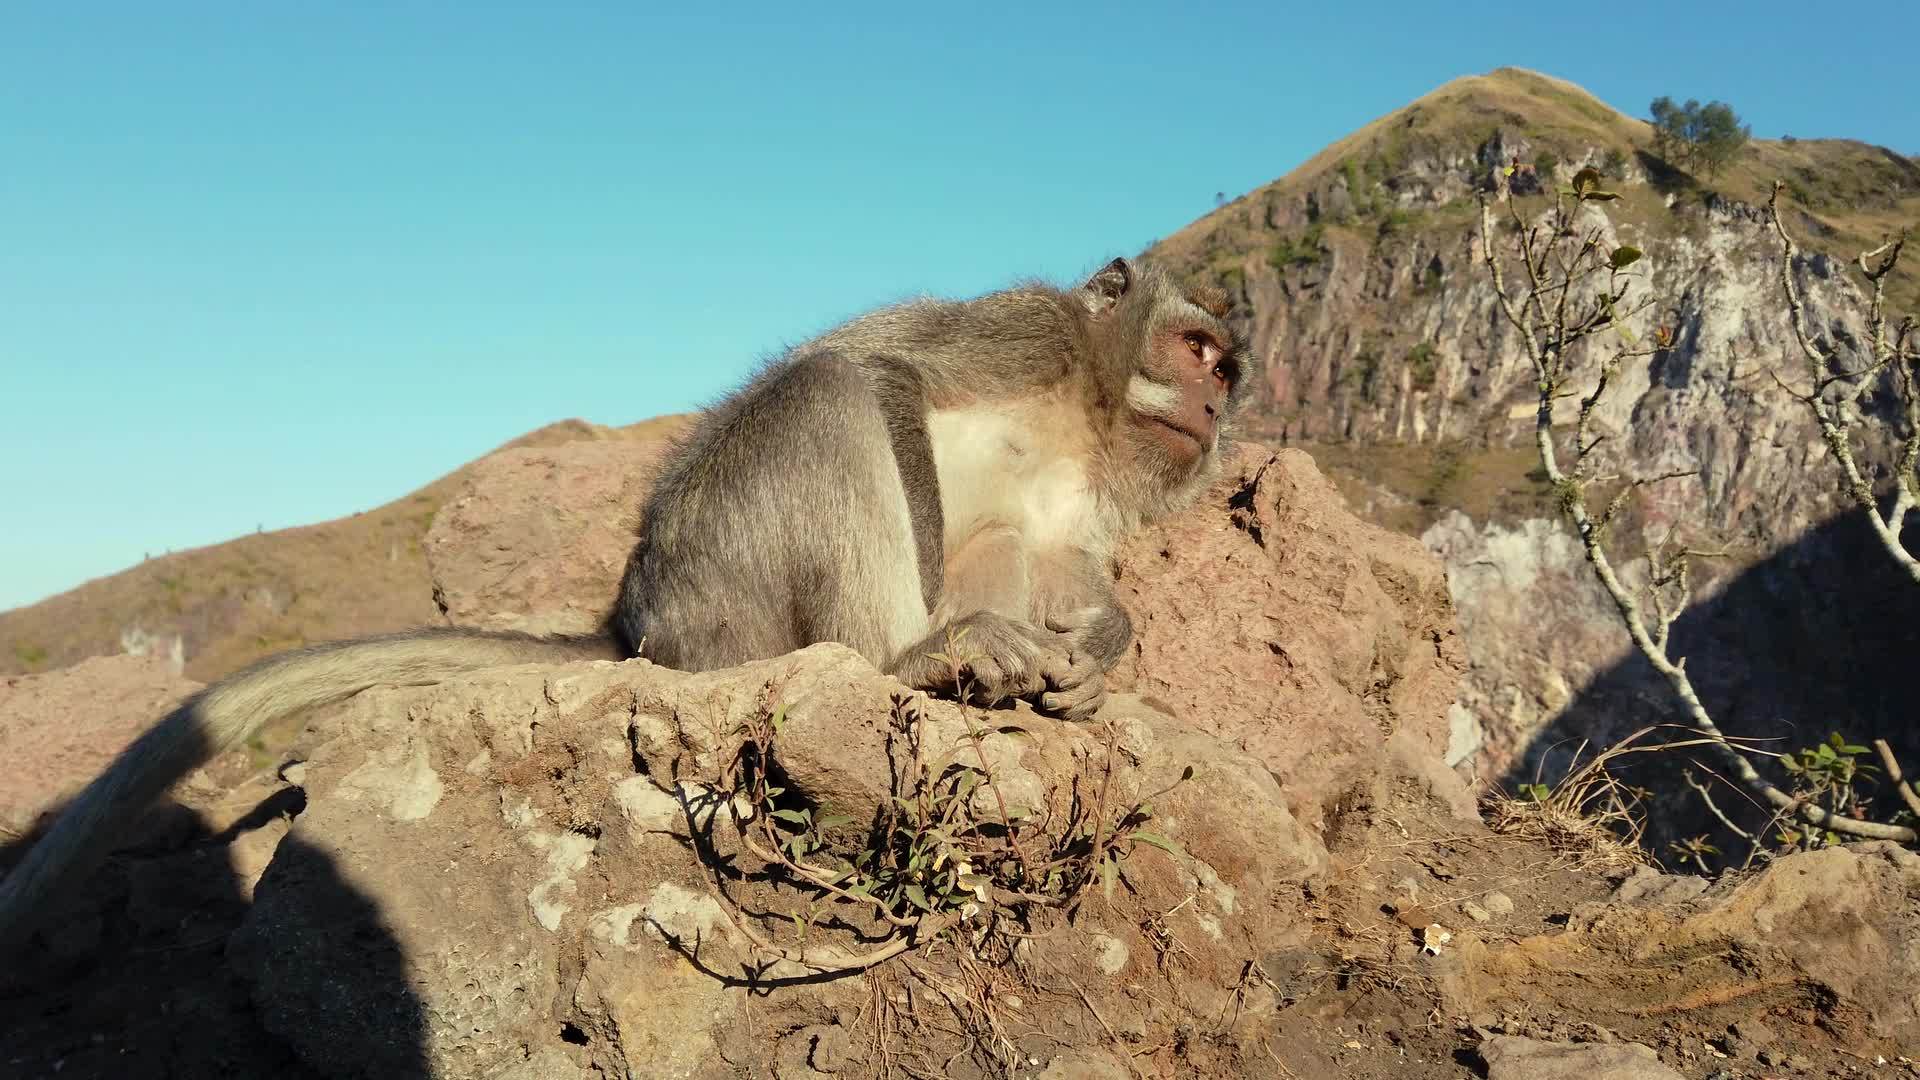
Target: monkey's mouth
<point>1187,434</point>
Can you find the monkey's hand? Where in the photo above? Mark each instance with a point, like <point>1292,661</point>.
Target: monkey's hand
<point>999,658</point>
<point>1091,640</point>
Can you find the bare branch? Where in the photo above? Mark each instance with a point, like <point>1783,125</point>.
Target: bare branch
<point>1832,417</point>
<point>1899,781</point>
<point>1546,342</point>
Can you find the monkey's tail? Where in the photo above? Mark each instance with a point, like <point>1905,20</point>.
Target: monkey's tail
<point>234,708</point>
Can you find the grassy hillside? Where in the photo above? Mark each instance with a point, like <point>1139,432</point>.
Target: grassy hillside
<point>1848,195</point>
<point>238,601</point>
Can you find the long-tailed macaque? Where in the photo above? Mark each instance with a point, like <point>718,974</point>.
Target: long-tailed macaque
<point>925,468</point>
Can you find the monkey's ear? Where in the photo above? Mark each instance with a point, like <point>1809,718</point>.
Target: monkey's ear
<point>1103,290</point>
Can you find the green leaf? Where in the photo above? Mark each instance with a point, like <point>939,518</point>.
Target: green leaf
<point>919,898</point>
<point>798,817</point>
<point>831,820</point>
<point>779,718</point>
<point>1158,841</point>
<point>1587,179</point>
<point>1624,256</point>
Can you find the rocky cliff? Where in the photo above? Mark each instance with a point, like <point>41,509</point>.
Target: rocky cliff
<point>1383,352</point>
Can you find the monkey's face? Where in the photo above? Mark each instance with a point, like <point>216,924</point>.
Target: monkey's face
<point>1183,390</point>
<point>1184,368</point>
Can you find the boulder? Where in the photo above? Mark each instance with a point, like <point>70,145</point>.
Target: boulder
<point>1273,618</point>
<point>506,865</point>
<point>58,730</point>
<point>537,537</point>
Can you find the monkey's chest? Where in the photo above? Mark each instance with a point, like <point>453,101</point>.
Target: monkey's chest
<point>1005,470</point>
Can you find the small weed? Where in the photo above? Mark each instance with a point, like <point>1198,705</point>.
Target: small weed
<point>1304,250</point>
<point>1424,363</point>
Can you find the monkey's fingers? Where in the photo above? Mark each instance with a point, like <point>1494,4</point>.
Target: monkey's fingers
<point>1078,703</point>
<point>1098,633</point>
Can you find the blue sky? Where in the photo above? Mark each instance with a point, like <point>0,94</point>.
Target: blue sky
<point>268,264</point>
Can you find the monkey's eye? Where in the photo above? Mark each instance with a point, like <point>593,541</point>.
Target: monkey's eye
<point>1220,373</point>
<point>1196,345</point>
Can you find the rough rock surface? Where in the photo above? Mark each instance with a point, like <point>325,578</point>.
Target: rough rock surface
<point>1834,932</point>
<point>1512,1057</point>
<point>536,538</point>
<point>58,730</point>
<point>523,836</point>
<point>1276,620</point>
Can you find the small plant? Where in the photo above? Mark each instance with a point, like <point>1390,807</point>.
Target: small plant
<point>1695,850</point>
<point>1289,252</point>
<point>1825,774</point>
<point>1423,362</point>
<point>1614,164</point>
<point>1544,163</point>
<point>1364,374</point>
<point>1396,220</point>
<point>30,656</point>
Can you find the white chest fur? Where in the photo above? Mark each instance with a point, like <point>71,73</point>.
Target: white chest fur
<point>999,469</point>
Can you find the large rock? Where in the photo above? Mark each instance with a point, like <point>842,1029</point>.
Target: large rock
<point>524,838</point>
<point>1273,618</point>
<point>537,537</point>
<point>58,730</point>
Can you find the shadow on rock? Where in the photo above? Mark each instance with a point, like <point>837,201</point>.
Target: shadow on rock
<point>1821,637</point>
<point>151,971</point>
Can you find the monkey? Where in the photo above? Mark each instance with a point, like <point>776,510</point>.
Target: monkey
<point>935,474</point>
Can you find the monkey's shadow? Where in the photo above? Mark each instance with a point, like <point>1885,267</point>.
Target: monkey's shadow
<point>146,972</point>
<point>1822,636</point>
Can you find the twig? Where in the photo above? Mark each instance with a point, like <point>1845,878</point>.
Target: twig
<point>1707,798</point>
<point>1892,766</point>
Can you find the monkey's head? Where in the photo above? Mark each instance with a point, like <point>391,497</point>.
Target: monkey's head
<point>1180,368</point>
